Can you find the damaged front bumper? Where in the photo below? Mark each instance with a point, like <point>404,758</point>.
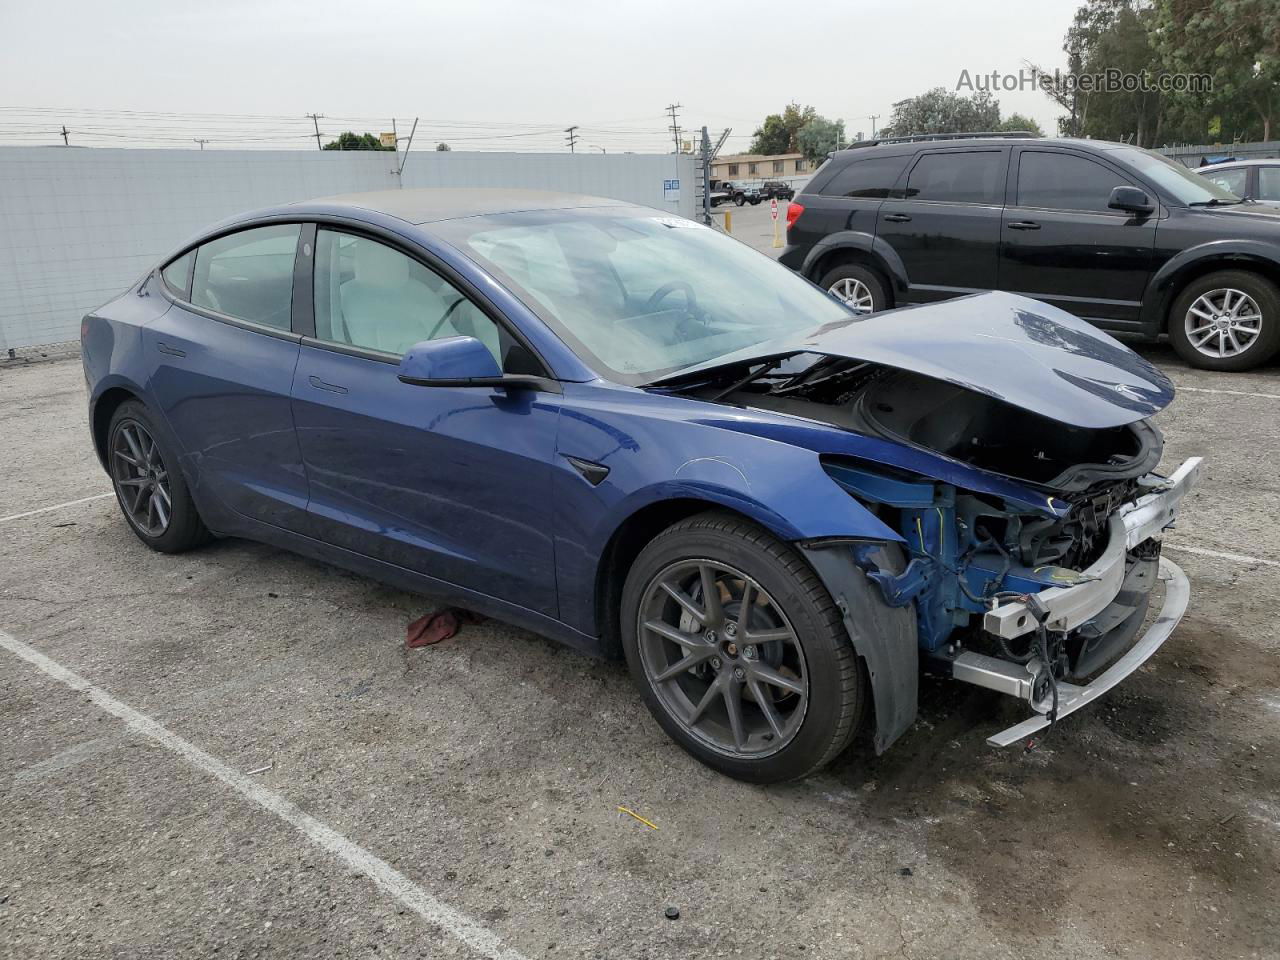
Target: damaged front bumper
<point>1103,593</point>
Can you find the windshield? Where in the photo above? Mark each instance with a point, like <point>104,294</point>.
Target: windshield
<point>640,294</point>
<point>1175,179</point>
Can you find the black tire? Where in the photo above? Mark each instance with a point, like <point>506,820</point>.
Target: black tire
<point>739,200</point>
<point>755,202</point>
<point>836,681</point>
<point>858,273</point>
<point>183,529</point>
<point>1259,348</point>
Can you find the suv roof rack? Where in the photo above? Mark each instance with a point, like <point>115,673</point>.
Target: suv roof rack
<point>914,137</point>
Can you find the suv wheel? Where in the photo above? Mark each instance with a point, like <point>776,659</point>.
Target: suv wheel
<point>1229,320</point>
<point>739,652</point>
<point>859,287</point>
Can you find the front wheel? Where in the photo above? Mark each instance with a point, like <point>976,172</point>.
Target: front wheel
<point>1228,320</point>
<point>739,652</point>
<point>739,200</point>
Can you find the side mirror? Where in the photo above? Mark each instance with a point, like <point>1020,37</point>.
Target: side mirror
<point>1130,199</point>
<point>461,362</point>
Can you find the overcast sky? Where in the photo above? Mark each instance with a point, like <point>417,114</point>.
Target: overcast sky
<point>162,72</point>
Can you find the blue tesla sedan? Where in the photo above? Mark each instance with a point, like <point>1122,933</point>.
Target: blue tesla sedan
<point>629,432</point>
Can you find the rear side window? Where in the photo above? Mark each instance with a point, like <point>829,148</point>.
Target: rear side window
<point>974,177</point>
<point>248,275</point>
<point>872,178</point>
<point>1269,183</point>
<point>1062,181</point>
<point>1236,181</point>
<point>177,275</point>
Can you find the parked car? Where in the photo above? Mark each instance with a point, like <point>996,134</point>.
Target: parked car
<point>633,434</point>
<point>776,190</point>
<point>1119,236</point>
<point>1251,179</point>
<point>720,193</point>
<point>741,192</point>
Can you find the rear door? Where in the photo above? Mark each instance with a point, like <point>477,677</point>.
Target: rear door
<point>944,222</point>
<point>847,201</point>
<point>221,365</point>
<point>1061,243</point>
<point>450,482</point>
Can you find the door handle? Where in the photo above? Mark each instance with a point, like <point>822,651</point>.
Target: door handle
<point>171,351</point>
<point>323,385</point>
<point>1023,225</point>
<point>897,218</point>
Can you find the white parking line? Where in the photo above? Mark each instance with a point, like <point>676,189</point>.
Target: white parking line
<point>384,876</point>
<point>56,506</point>
<point>1219,555</point>
<point>1231,393</point>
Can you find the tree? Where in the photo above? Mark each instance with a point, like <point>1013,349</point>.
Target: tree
<point>1016,121</point>
<point>780,131</point>
<point>819,137</point>
<point>940,111</point>
<point>443,148</point>
<point>356,141</point>
<point>1237,44</point>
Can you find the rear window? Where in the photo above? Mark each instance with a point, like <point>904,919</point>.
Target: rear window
<point>969,177</point>
<point>248,275</point>
<point>1269,183</point>
<point>177,275</point>
<point>872,178</point>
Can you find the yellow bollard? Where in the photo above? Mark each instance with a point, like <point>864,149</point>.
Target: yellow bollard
<point>728,221</point>
<point>777,237</point>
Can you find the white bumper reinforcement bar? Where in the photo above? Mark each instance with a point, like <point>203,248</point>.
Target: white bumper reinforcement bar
<point>1097,586</point>
<point>1071,697</point>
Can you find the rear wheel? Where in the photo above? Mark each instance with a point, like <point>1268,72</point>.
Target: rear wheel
<point>1229,320</point>
<point>739,652</point>
<point>860,287</point>
<point>149,486</point>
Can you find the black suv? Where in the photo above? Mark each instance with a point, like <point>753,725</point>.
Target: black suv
<point>1123,237</point>
<point>776,190</point>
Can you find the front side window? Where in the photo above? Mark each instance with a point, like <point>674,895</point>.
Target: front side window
<point>248,275</point>
<point>1236,181</point>
<point>372,296</point>
<point>976,177</point>
<point>177,274</point>
<point>1061,181</point>
<point>1269,183</point>
<point>641,294</point>
<point>870,179</point>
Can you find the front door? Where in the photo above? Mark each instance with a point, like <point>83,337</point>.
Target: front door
<point>944,223</point>
<point>1062,244</point>
<point>450,482</point>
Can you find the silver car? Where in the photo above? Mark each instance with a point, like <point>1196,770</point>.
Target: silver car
<point>1250,179</point>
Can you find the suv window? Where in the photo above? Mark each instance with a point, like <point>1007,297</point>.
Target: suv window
<point>1233,180</point>
<point>248,275</point>
<point>968,177</point>
<point>872,178</point>
<point>177,274</point>
<point>370,295</point>
<point>1269,183</point>
<point>1064,181</point>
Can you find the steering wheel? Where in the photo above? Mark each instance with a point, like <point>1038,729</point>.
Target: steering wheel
<point>664,291</point>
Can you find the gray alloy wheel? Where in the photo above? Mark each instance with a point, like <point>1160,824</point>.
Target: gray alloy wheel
<point>854,293</point>
<point>1222,323</point>
<point>723,658</point>
<point>141,478</point>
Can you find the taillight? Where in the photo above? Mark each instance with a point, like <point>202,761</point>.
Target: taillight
<point>793,213</point>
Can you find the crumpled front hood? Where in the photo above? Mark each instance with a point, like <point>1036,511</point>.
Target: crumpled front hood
<point>1012,348</point>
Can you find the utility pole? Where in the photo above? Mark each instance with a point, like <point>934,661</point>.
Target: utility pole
<point>65,132</point>
<point>675,124</point>
<point>873,118</point>
<point>316,118</point>
<point>407,147</point>
<point>201,141</point>
<point>572,137</point>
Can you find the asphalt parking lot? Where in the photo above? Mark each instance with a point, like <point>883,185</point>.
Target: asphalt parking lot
<point>260,767</point>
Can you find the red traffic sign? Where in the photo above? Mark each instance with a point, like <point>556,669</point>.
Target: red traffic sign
<point>773,208</point>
